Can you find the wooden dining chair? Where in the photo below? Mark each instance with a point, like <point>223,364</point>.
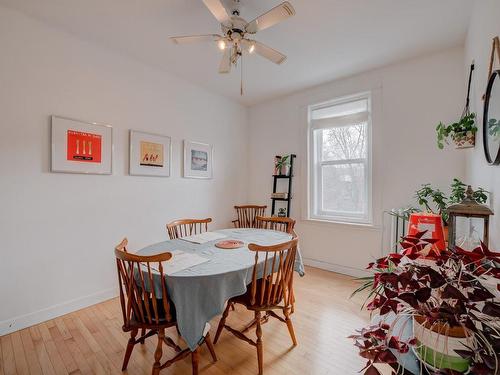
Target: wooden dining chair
<point>269,291</point>
<point>146,306</point>
<point>282,224</point>
<point>187,227</point>
<point>247,214</point>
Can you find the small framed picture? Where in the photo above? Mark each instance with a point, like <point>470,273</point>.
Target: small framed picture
<point>81,147</point>
<point>198,160</point>
<point>150,154</point>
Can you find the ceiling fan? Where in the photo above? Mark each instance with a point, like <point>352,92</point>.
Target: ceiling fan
<point>236,30</point>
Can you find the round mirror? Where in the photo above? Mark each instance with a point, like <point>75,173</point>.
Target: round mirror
<point>491,120</point>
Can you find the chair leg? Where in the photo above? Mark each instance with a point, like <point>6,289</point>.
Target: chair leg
<point>158,351</point>
<point>293,301</point>
<point>260,354</point>
<point>222,322</point>
<point>143,333</point>
<point>289,324</point>
<point>195,360</point>
<point>130,347</point>
<point>210,346</point>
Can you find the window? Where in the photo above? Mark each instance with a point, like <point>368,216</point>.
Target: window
<point>339,160</point>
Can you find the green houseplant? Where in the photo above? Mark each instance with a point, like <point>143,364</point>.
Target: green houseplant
<point>456,318</point>
<point>282,165</point>
<point>433,200</point>
<point>463,132</point>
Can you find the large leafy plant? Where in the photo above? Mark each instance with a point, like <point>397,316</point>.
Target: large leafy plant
<point>449,292</point>
<point>456,130</point>
<point>433,200</point>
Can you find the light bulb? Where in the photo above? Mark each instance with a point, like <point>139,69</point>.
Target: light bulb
<point>222,44</point>
<point>252,48</point>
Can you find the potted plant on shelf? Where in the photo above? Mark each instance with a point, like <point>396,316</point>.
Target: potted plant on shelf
<point>456,319</point>
<point>282,165</point>
<point>463,132</point>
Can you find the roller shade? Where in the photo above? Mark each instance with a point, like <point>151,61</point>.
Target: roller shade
<point>339,121</point>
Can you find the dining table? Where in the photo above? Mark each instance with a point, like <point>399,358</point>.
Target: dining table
<point>199,293</point>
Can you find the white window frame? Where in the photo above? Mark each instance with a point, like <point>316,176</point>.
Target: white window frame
<point>316,163</point>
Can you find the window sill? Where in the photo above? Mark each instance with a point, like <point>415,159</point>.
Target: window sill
<point>368,226</point>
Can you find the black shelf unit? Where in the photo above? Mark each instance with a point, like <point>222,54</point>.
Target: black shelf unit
<point>275,185</point>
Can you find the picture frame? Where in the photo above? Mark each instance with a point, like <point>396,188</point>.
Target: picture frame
<point>81,147</point>
<point>198,160</point>
<point>150,154</point>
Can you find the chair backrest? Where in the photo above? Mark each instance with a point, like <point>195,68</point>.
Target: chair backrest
<point>187,227</point>
<point>247,215</point>
<point>143,289</point>
<point>272,276</point>
<point>282,224</point>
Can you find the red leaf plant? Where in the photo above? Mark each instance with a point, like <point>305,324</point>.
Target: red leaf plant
<point>447,289</point>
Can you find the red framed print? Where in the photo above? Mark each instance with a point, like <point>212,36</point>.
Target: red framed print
<point>84,147</point>
<point>81,147</point>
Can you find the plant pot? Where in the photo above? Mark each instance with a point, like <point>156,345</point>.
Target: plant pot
<point>285,170</point>
<point>464,140</point>
<point>436,344</point>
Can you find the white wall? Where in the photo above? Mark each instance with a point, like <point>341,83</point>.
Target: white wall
<point>410,98</point>
<point>57,231</point>
<point>485,25</point>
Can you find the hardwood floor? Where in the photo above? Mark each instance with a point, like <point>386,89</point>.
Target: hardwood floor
<point>90,341</point>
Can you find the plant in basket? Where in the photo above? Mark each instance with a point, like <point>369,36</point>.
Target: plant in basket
<point>462,132</point>
<point>455,314</point>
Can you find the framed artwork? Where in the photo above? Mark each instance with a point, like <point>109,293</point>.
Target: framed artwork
<point>81,147</point>
<point>198,160</point>
<point>150,154</point>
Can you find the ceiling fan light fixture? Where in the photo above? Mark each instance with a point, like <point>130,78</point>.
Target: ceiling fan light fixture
<point>234,42</point>
<point>221,44</point>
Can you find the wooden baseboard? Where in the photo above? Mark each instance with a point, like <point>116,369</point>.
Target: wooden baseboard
<point>338,268</point>
<point>32,318</point>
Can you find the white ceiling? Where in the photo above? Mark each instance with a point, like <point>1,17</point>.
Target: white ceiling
<point>325,40</point>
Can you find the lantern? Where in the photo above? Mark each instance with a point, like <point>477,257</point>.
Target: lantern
<point>468,223</point>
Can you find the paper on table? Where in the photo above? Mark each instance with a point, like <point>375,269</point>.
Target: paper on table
<point>204,237</point>
<point>180,261</point>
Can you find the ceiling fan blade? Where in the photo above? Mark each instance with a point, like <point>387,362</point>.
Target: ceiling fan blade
<point>218,10</point>
<point>266,52</point>
<point>271,18</point>
<point>195,38</point>
<point>225,63</point>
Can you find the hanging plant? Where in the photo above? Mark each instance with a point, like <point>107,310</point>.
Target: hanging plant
<point>462,132</point>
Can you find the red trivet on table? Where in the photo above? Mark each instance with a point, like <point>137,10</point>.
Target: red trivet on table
<point>229,244</point>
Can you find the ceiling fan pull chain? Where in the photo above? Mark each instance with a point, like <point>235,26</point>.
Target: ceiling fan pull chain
<point>241,76</point>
